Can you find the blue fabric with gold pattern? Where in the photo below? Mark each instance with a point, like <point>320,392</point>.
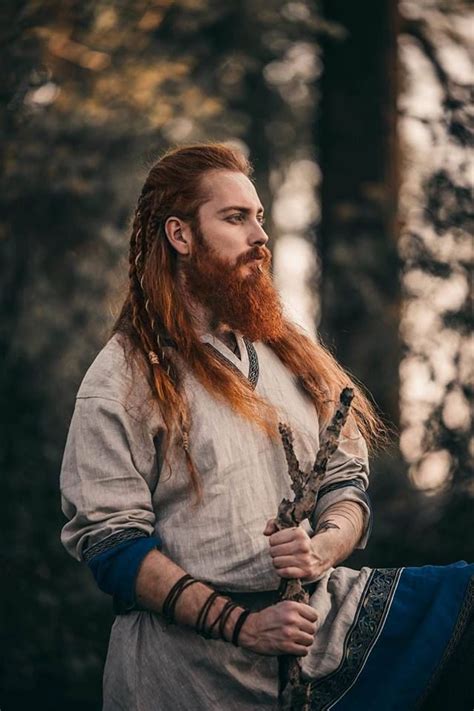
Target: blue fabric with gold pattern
<point>408,624</point>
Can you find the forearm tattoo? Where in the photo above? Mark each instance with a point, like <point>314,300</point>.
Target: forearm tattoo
<point>325,526</point>
<point>349,511</point>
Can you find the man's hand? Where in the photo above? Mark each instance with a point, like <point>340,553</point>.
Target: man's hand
<point>295,554</point>
<point>285,628</point>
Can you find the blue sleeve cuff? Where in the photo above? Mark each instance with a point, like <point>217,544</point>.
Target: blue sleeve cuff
<point>115,569</point>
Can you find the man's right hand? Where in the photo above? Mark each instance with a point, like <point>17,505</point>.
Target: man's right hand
<point>285,628</point>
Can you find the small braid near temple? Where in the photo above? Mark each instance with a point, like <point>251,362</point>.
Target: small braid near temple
<point>206,415</point>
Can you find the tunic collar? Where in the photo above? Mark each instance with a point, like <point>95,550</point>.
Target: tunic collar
<point>247,364</point>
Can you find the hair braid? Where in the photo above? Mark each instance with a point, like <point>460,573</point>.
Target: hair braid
<point>136,295</point>
<point>157,329</point>
<point>150,329</point>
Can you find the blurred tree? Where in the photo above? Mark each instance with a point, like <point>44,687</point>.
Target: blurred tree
<point>437,380</point>
<point>356,140</point>
<point>360,311</point>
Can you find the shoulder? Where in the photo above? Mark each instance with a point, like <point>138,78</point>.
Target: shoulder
<point>114,375</point>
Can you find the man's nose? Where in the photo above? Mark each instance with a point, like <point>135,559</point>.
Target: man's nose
<point>258,236</point>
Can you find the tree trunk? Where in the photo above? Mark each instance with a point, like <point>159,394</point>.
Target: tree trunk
<point>356,133</point>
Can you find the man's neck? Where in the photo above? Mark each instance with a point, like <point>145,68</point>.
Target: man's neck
<point>229,339</point>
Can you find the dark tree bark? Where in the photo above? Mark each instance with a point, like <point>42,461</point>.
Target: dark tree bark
<point>356,135</point>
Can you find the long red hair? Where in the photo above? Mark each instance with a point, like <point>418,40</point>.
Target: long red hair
<point>156,323</point>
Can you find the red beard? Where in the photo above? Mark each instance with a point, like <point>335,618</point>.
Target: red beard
<point>247,304</point>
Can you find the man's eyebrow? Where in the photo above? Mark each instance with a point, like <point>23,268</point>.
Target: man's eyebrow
<point>240,208</point>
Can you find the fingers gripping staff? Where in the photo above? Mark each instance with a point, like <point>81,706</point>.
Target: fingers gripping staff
<point>294,690</point>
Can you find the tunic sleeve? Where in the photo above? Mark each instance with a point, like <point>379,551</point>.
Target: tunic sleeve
<point>347,477</point>
<point>106,476</point>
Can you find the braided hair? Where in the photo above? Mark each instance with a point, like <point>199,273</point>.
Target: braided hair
<point>149,332</point>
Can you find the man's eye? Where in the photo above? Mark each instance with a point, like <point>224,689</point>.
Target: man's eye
<point>239,218</point>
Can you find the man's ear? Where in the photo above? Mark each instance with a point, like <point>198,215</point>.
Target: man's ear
<point>179,235</point>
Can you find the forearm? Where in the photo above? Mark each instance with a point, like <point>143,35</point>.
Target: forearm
<point>285,628</point>
<point>338,531</point>
<point>156,577</point>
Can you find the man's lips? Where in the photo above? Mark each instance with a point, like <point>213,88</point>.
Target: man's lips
<point>259,257</point>
<point>256,257</point>
<point>256,263</point>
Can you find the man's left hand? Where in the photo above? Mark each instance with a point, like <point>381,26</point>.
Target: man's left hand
<point>295,554</point>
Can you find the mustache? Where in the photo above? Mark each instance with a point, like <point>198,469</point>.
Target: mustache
<point>257,252</point>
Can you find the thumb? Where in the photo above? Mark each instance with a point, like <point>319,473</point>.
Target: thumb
<point>270,527</point>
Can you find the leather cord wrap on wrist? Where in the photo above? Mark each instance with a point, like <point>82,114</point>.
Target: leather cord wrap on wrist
<point>219,623</point>
<point>202,617</point>
<point>238,626</point>
<point>171,599</point>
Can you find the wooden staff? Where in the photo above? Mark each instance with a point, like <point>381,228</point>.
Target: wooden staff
<point>294,689</point>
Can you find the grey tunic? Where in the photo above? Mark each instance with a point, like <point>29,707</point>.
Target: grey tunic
<point>114,484</point>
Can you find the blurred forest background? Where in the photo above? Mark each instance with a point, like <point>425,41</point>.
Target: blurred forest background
<point>356,118</point>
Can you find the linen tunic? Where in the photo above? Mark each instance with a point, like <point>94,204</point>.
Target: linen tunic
<point>115,486</point>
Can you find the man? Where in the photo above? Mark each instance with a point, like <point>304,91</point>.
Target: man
<point>135,523</point>
<point>173,468</point>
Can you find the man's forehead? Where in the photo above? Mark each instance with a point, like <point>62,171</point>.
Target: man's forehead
<point>226,188</point>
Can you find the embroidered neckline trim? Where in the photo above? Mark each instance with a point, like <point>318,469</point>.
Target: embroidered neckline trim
<point>254,369</point>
